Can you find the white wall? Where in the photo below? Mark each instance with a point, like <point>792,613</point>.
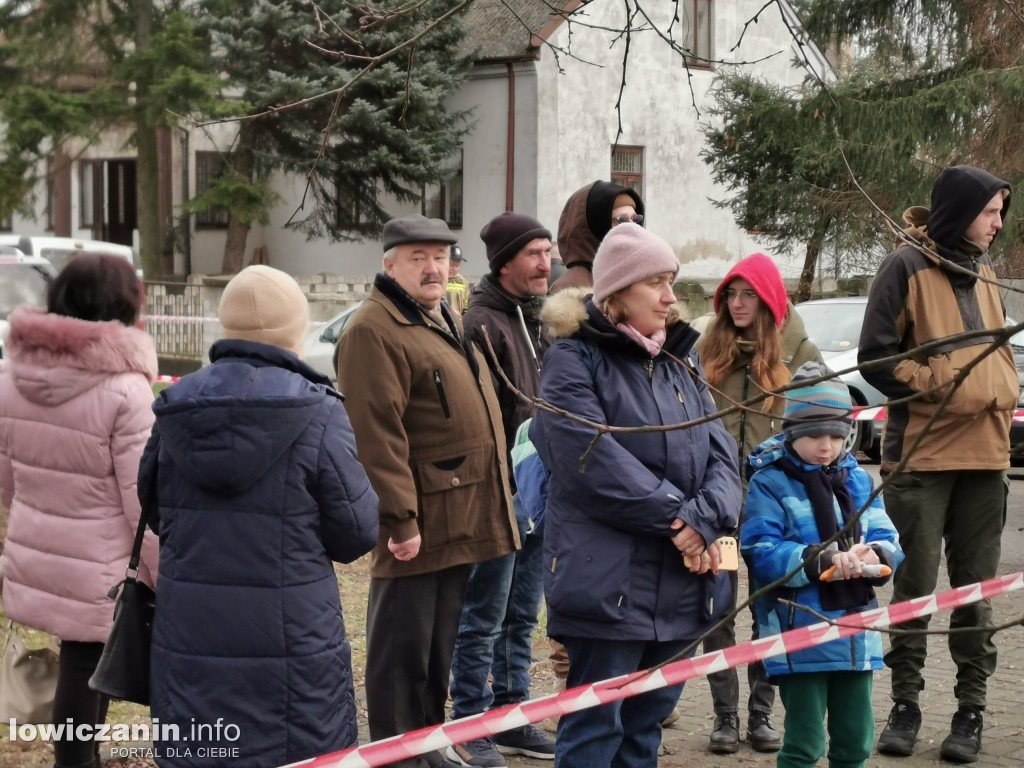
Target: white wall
<point>657,114</point>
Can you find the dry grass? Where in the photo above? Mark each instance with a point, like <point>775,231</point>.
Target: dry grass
<point>353,587</point>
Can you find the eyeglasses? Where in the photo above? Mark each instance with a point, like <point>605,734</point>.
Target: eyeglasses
<point>636,218</point>
<point>745,295</point>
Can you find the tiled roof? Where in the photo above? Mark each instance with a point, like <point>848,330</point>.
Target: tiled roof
<point>506,29</point>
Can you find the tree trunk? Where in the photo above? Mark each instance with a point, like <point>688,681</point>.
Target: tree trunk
<point>814,245</point>
<point>242,164</point>
<point>147,162</point>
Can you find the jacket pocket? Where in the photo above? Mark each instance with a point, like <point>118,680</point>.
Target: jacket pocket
<point>441,395</point>
<point>452,504</point>
<point>991,385</point>
<point>590,573</point>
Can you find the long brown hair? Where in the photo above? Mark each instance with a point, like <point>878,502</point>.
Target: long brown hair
<point>720,351</point>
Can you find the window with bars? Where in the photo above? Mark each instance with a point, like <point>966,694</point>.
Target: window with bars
<point>699,32</point>
<point>628,168</point>
<point>444,200</point>
<point>210,166</point>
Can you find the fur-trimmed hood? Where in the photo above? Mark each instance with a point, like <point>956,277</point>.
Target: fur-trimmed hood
<point>565,312</point>
<point>54,358</point>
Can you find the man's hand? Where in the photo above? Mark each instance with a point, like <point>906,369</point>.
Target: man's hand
<point>405,550</point>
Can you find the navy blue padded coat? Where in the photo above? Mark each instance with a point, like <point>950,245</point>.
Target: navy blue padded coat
<point>251,481</point>
<point>610,568</point>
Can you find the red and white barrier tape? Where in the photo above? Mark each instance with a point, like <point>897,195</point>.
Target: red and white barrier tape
<point>513,716</point>
<point>198,319</point>
<point>877,413</point>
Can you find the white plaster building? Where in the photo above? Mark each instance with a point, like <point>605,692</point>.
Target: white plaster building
<point>545,125</point>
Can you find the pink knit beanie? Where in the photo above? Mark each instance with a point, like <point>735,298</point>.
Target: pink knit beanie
<point>766,280</point>
<point>627,255</point>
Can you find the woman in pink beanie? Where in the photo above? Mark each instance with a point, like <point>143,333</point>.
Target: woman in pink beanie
<point>753,345</point>
<point>625,512</point>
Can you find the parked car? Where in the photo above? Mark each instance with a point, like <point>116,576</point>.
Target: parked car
<point>322,341</point>
<point>834,327</point>
<point>57,250</point>
<point>23,280</point>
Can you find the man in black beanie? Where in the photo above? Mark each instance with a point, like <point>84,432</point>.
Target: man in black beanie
<point>952,489</point>
<point>503,598</point>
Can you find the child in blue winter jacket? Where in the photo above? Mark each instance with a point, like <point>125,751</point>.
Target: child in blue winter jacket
<point>804,491</point>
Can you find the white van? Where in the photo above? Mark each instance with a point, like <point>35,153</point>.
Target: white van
<point>57,250</point>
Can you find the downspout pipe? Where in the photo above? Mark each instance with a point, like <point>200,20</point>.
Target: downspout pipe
<point>510,168</point>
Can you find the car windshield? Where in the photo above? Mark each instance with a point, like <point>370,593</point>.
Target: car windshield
<point>20,284</point>
<point>833,326</point>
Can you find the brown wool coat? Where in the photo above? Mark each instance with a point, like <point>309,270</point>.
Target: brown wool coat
<point>429,433</point>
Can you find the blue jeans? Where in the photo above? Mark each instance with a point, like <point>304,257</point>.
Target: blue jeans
<point>620,734</point>
<point>499,615</point>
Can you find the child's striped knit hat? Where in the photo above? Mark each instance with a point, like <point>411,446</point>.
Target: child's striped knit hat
<point>824,408</point>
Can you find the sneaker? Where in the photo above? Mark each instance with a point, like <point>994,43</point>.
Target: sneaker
<point>478,752</point>
<point>671,718</point>
<point>762,735</point>
<point>900,732</point>
<point>725,737</point>
<point>964,741</point>
<point>526,740</point>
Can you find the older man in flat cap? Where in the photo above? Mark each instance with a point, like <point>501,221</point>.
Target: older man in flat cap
<point>440,473</point>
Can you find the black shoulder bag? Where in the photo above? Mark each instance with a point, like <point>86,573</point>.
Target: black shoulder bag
<point>123,670</point>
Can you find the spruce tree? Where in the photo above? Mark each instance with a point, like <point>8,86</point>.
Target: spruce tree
<point>923,84</point>
<point>387,134</point>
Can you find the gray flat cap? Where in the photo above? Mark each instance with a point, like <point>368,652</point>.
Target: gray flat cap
<point>416,229</point>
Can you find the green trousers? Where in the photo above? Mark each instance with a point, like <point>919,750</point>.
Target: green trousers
<point>845,697</point>
<point>965,511</point>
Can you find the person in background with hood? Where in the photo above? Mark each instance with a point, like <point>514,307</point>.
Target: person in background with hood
<point>74,417</point>
<point>621,594</point>
<point>503,598</point>
<point>251,480</point>
<point>754,343</point>
<point>589,214</point>
<point>952,490</point>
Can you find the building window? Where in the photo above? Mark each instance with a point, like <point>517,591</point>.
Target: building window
<point>628,168</point>
<point>698,32</point>
<point>51,194</point>
<point>444,200</point>
<point>90,173</point>
<point>6,225</point>
<point>356,202</point>
<point>210,166</point>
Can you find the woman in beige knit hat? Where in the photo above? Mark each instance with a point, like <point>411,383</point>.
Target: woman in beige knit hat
<point>252,483</point>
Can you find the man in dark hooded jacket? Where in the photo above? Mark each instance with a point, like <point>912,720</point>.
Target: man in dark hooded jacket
<point>503,598</point>
<point>952,489</point>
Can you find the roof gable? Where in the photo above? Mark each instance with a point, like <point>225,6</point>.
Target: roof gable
<point>497,32</point>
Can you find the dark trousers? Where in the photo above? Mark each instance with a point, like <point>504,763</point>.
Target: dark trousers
<point>411,626</point>
<point>75,700</point>
<point>725,685</point>
<point>965,511</point>
<point>620,734</point>
<point>845,697</point>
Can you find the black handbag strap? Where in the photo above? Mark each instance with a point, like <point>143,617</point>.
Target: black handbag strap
<point>133,562</point>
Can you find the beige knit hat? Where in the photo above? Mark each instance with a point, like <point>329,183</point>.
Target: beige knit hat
<point>266,305</point>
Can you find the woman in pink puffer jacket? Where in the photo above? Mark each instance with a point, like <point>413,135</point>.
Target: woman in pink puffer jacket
<point>75,413</point>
